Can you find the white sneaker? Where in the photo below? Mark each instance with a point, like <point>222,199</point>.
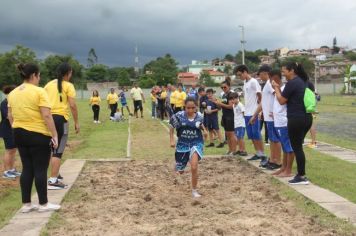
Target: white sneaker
<point>28,208</point>
<point>195,193</point>
<point>95,122</point>
<point>48,207</point>
<point>98,121</point>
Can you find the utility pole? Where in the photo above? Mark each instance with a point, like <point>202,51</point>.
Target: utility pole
<point>243,43</point>
<point>137,65</point>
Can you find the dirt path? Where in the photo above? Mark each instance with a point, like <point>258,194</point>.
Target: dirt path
<point>146,198</point>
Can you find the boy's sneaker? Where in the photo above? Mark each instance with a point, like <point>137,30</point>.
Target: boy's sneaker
<point>8,175</point>
<point>14,172</point>
<point>221,145</point>
<point>28,208</point>
<point>273,166</point>
<point>56,186</point>
<point>210,145</point>
<point>48,207</point>
<point>254,158</point>
<point>299,180</point>
<point>264,161</point>
<point>60,178</point>
<point>242,153</point>
<point>229,153</point>
<point>98,121</point>
<point>195,193</point>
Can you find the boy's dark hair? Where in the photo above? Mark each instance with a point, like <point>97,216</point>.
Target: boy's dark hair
<point>190,99</point>
<point>233,95</point>
<point>210,90</point>
<point>201,89</point>
<point>240,68</point>
<point>8,88</point>
<point>275,72</point>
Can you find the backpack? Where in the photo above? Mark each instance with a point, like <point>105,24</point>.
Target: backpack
<point>309,100</point>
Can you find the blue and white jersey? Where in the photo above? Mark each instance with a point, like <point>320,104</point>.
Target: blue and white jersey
<point>188,131</point>
<point>193,93</point>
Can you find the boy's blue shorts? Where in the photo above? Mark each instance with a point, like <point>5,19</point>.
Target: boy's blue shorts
<point>283,136</point>
<point>240,132</point>
<point>272,133</point>
<point>253,131</point>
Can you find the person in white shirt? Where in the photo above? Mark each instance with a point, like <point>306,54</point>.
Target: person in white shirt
<point>266,106</point>
<point>252,93</point>
<point>280,124</point>
<point>239,123</point>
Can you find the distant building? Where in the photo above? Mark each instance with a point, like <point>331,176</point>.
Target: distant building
<point>197,67</point>
<point>217,76</point>
<point>331,70</point>
<point>267,60</point>
<point>187,78</point>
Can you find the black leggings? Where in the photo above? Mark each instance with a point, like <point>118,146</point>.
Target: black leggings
<point>298,127</point>
<point>96,110</point>
<point>35,152</point>
<point>113,108</point>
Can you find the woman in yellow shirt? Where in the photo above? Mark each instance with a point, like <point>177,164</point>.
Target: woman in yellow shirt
<point>180,99</point>
<point>34,130</point>
<point>95,105</point>
<point>154,102</point>
<point>112,99</point>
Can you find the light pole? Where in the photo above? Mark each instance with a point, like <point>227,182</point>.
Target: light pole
<point>242,43</point>
<point>315,73</point>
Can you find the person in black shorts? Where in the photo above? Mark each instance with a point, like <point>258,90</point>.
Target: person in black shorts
<point>6,133</point>
<point>227,119</point>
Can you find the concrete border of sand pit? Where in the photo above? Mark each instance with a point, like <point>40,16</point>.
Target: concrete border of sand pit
<point>31,224</point>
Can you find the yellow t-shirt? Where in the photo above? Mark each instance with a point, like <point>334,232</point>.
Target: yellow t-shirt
<point>181,96</point>
<point>136,94</point>
<point>164,95</point>
<point>173,98</point>
<point>25,102</point>
<point>95,101</point>
<point>112,98</point>
<point>153,98</point>
<point>58,107</point>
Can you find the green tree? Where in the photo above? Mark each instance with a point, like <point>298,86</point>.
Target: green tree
<point>229,57</point>
<point>146,81</point>
<point>350,55</point>
<point>8,61</point>
<point>97,73</point>
<point>49,69</point>
<point>119,74</point>
<point>206,79</point>
<point>164,70</point>
<point>228,69</point>
<point>308,65</point>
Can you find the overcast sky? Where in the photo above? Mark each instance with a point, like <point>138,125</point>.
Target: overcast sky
<point>186,29</point>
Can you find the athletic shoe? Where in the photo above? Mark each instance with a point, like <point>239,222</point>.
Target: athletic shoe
<point>254,158</point>
<point>60,178</point>
<point>112,118</point>
<point>221,145</point>
<point>48,207</point>
<point>242,153</point>
<point>299,180</point>
<point>56,186</point>
<point>311,145</point>
<point>14,172</point>
<point>195,193</point>
<point>210,145</point>
<point>98,121</point>
<point>8,175</point>
<point>229,153</point>
<point>272,166</point>
<point>267,144</point>
<point>264,161</point>
<point>94,121</point>
<point>28,208</point>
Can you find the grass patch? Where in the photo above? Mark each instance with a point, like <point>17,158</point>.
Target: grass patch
<point>10,202</point>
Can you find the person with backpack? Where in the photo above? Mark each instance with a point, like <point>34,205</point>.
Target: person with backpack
<point>296,96</point>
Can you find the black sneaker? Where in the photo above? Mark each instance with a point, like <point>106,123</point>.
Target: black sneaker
<point>299,180</point>
<point>59,177</point>
<point>210,145</point>
<point>56,186</point>
<point>264,161</point>
<point>273,166</point>
<point>243,154</point>
<point>221,145</point>
<point>254,158</point>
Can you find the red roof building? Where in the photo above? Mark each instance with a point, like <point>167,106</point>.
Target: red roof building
<point>187,78</point>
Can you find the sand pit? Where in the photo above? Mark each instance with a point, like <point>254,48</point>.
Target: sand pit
<point>145,198</point>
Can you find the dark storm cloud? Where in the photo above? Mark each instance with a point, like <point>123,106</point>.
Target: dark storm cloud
<point>186,29</point>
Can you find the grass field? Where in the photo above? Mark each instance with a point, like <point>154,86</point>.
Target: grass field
<point>150,142</point>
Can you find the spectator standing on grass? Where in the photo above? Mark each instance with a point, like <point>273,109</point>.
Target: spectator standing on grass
<point>266,106</point>
<point>173,97</point>
<point>94,102</point>
<point>190,144</point>
<point>137,97</point>
<point>153,96</point>
<point>227,119</point>
<point>161,101</point>
<point>34,130</point>
<point>252,94</point>
<point>61,94</point>
<point>299,121</point>
<point>123,102</point>
<point>239,124</point>
<point>280,124</point>
<point>180,98</point>
<point>112,100</point>
<point>212,120</point>
<point>10,171</point>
